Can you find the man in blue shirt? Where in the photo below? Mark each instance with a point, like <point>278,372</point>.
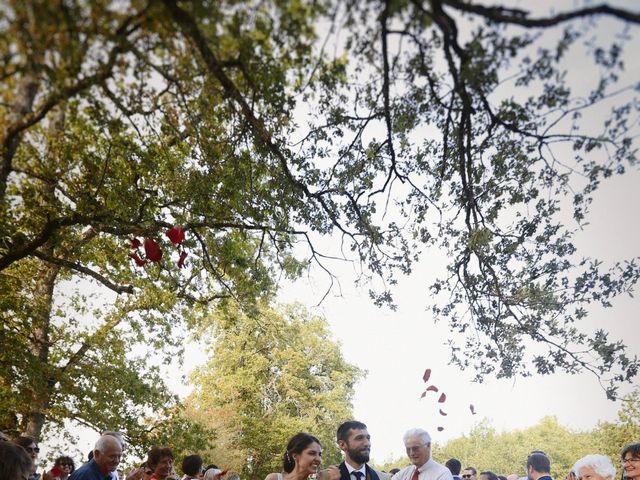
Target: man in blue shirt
<point>106,457</point>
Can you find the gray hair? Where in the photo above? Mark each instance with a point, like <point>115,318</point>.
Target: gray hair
<point>601,465</point>
<point>211,473</point>
<point>105,441</point>
<point>417,432</point>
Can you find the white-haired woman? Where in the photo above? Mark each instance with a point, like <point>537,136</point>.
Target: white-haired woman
<point>595,467</point>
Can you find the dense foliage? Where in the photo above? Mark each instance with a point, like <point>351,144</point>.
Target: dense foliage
<point>272,373</point>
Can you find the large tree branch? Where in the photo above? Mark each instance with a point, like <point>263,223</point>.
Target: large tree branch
<point>87,271</point>
<point>520,17</point>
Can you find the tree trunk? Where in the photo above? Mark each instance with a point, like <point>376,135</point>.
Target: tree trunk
<point>43,292</point>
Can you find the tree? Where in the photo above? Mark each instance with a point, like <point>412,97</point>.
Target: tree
<point>111,131</point>
<point>272,373</point>
<point>506,452</point>
<point>459,127</point>
<point>612,437</point>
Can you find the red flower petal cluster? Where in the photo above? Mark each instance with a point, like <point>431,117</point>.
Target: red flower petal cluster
<point>152,250</point>
<point>175,234</point>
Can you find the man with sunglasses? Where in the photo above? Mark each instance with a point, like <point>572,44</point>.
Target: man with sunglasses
<point>417,443</point>
<point>469,473</point>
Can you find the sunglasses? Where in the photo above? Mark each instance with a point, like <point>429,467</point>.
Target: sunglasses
<point>467,476</point>
<point>32,450</point>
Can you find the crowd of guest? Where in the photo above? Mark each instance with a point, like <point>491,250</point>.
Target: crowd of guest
<point>301,460</point>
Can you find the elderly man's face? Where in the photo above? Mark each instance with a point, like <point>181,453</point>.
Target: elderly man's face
<point>589,473</point>
<point>109,459</point>
<point>417,451</point>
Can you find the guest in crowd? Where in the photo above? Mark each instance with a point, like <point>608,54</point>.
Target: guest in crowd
<point>469,473</point>
<point>160,461</point>
<point>192,467</point>
<point>488,475</point>
<point>417,443</point>
<point>594,467</point>
<point>631,461</point>
<point>106,457</point>
<point>30,445</point>
<point>65,465</point>
<point>454,466</point>
<point>302,458</point>
<point>15,462</point>
<point>538,466</point>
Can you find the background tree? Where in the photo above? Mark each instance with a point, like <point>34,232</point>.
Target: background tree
<point>272,373</point>
<point>614,436</point>
<point>462,128</point>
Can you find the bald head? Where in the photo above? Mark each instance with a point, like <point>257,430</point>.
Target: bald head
<point>107,453</point>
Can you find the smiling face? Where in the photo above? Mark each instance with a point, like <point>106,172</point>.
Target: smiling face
<point>109,457</point>
<point>356,447</point>
<point>310,459</point>
<point>588,473</point>
<point>164,467</point>
<point>631,466</point>
<point>417,450</point>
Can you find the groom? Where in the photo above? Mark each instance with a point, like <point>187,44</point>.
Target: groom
<point>354,440</point>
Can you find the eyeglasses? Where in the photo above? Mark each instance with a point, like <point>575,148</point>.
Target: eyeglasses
<point>630,460</point>
<point>32,450</point>
<point>468,475</point>
<point>415,449</point>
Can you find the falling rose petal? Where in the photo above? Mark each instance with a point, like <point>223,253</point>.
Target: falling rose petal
<point>152,250</point>
<point>431,388</point>
<point>175,234</point>
<point>442,398</point>
<point>440,429</point>
<point>427,374</point>
<point>135,243</point>
<point>183,256</point>
<point>423,394</point>
<point>443,413</point>
<point>472,408</point>
<point>139,262</point>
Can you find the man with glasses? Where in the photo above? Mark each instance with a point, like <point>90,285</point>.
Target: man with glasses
<point>417,443</point>
<point>469,473</point>
<point>631,461</point>
<point>106,457</point>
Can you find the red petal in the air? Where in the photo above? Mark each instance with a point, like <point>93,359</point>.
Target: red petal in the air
<point>443,413</point>
<point>432,388</point>
<point>440,429</point>
<point>152,250</point>
<point>175,234</point>
<point>135,243</point>
<point>472,408</point>
<point>183,256</point>
<point>427,374</point>
<point>139,262</point>
<point>442,398</point>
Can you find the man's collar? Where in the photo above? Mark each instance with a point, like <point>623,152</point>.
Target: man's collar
<point>351,468</point>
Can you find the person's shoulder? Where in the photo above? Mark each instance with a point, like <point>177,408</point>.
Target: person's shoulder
<point>273,476</point>
<point>382,475</point>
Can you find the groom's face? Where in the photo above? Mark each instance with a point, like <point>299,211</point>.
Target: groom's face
<point>357,446</point>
